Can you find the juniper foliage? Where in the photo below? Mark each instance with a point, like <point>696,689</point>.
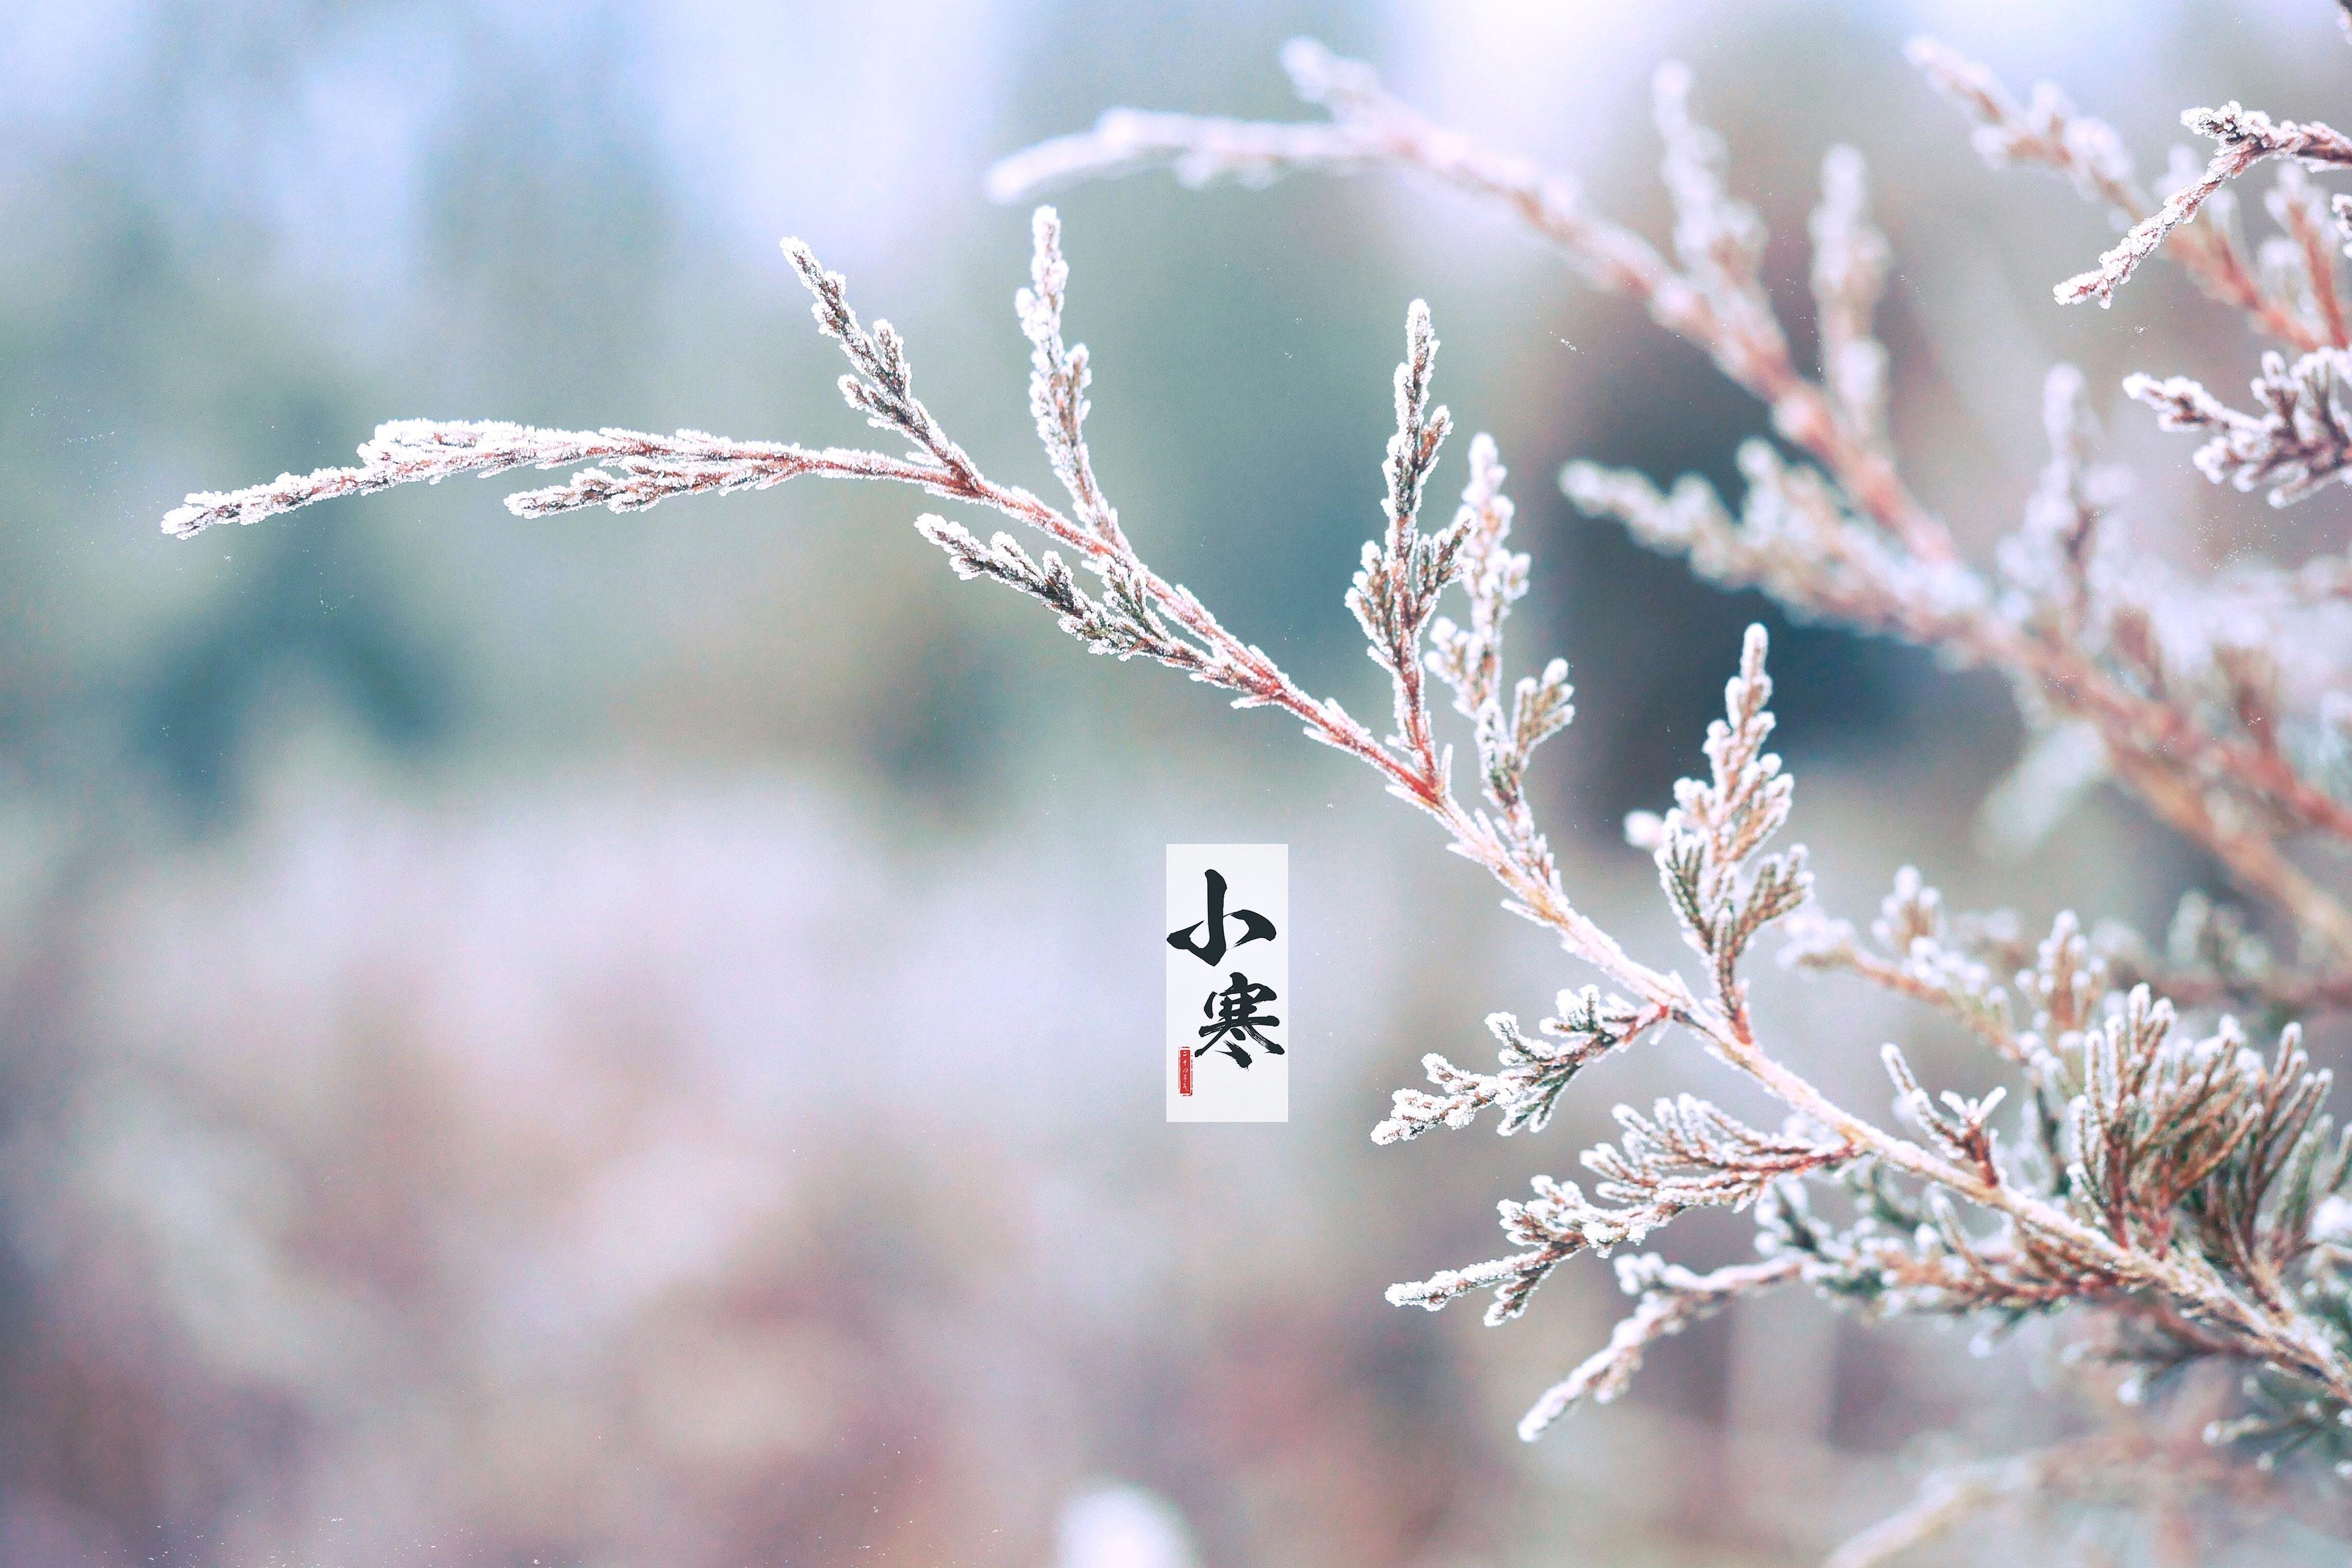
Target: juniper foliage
<point>2163,1170</point>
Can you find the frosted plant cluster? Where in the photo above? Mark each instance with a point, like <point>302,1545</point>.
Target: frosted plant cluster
<point>2155,1168</point>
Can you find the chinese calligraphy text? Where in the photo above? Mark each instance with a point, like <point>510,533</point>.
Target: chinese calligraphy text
<point>1228,959</point>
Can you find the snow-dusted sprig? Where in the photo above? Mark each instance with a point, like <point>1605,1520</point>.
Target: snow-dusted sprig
<point>1847,540</point>
<point>880,384</point>
<point>2243,138</point>
<point>639,469</point>
<point>2310,242</point>
<point>1688,1153</point>
<point>1711,295</point>
<point>2055,1242</point>
<point>1905,1251</point>
<point>1849,262</point>
<point>1961,1129</point>
<point>1724,889</point>
<point>2258,1207</point>
<point>2302,436</point>
<point>2048,133</point>
<point>1396,588</point>
<point>1534,1072</point>
<point>1468,659</point>
<point>2048,564</point>
<point>1673,1298</point>
<point>2152,709</point>
<point>2167,1141</point>
<point>1719,239</point>
<point>2077,650</point>
<point>2065,986</point>
<point>1795,540</point>
<point>2157,1112</point>
<point>2301,439</point>
<point>1124,622</point>
<point>1202,151</point>
<point>2052,1238</point>
<point>2282,1421</point>
<point>1919,956</point>
<point>1058,378</point>
<point>2213,956</point>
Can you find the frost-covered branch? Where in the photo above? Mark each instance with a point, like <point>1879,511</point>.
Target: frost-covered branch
<point>2048,133</point>
<point>1917,956</point>
<point>1396,589</point>
<point>1136,613</point>
<point>2243,138</point>
<point>1850,263</point>
<point>1534,1071</point>
<point>1844,541</point>
<point>2139,1137</point>
<point>636,471</point>
<point>1059,377</point>
<point>1711,293</point>
<point>1709,848</point>
<point>2300,439</point>
<point>1468,659</point>
<point>2078,647</point>
<point>2303,256</point>
<point>2165,1173</point>
<point>1672,1300</point>
<point>1828,542</point>
<point>1685,1154</point>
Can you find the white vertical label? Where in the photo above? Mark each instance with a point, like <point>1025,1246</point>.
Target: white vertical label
<point>1228,1011</point>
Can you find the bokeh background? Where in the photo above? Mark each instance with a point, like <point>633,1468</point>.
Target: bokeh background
<point>634,1040</point>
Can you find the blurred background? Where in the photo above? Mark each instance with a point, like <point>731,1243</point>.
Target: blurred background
<point>636,1039</point>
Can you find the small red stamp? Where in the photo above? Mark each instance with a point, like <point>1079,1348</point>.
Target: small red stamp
<point>1183,1071</point>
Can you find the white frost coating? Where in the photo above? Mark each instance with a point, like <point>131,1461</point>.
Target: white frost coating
<point>2154,1161</point>
<point>639,469</point>
<point>2301,439</point>
<point>2074,619</point>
